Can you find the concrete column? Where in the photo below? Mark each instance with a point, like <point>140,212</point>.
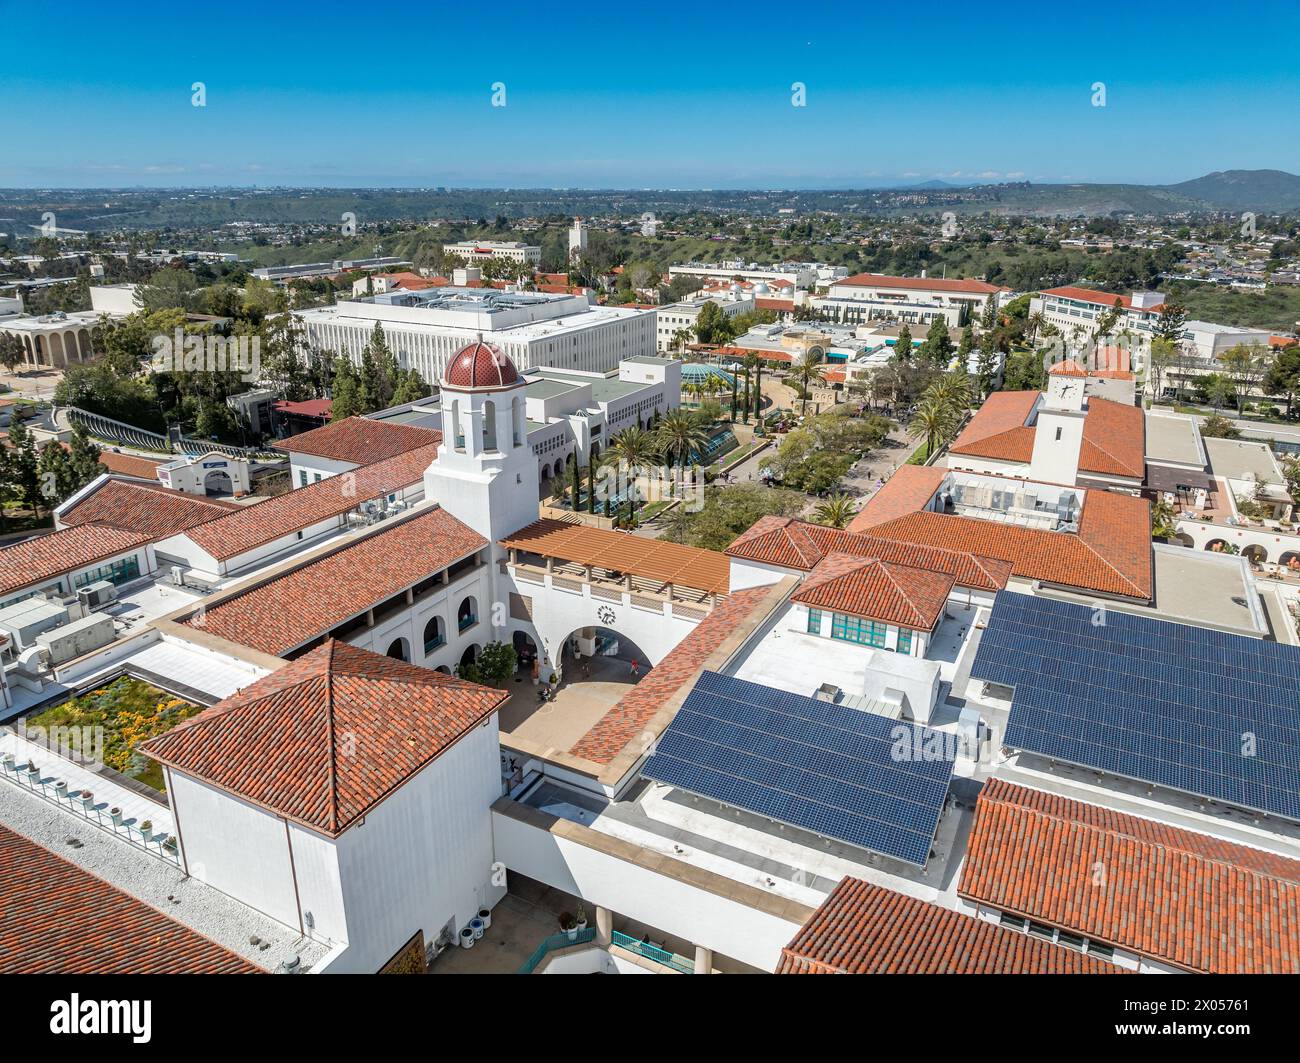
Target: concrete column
<point>703,960</point>
<point>604,927</point>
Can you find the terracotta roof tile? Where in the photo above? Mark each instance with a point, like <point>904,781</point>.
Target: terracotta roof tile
<point>1186,899</point>
<point>252,526</point>
<point>908,490</point>
<point>129,464</point>
<point>328,736</point>
<point>791,543</point>
<point>152,509</point>
<point>360,440</point>
<point>927,284</point>
<point>862,928</point>
<point>1106,299</point>
<point>1114,439</point>
<point>42,559</point>
<point>300,605</point>
<point>680,668</point>
<point>56,918</point>
<point>877,590</point>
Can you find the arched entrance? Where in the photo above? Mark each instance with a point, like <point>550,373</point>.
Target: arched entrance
<point>1255,554</point>
<point>218,482</point>
<point>399,650</point>
<point>525,652</point>
<point>599,651</point>
<point>471,654</point>
<point>1222,546</point>
<point>1183,539</point>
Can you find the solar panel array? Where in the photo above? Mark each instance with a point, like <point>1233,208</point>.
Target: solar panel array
<point>1205,712</point>
<point>842,773</point>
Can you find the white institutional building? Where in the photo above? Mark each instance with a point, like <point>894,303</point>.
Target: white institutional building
<point>425,328</point>
<point>817,726</point>
<point>481,250</point>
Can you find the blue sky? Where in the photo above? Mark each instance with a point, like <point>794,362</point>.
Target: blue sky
<point>324,93</point>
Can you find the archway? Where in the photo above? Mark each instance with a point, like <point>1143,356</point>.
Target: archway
<point>435,635</point>
<point>1290,561</point>
<point>525,651</point>
<point>1255,554</point>
<point>471,654</point>
<point>399,650</point>
<point>1222,546</point>
<point>443,669</point>
<point>598,651</point>
<point>218,482</point>
<point>467,613</point>
<point>1183,539</point>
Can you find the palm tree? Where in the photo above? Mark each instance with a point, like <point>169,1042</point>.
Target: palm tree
<point>836,511</point>
<point>808,370</point>
<point>933,419</point>
<point>677,523</point>
<point>680,339</point>
<point>680,434</point>
<point>633,447</point>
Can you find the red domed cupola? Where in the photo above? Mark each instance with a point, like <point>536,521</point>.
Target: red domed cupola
<point>480,367</point>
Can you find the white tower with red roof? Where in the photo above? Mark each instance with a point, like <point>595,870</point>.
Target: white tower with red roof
<point>1058,431</point>
<point>486,471</point>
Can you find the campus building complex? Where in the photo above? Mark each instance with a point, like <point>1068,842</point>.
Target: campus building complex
<point>895,747</point>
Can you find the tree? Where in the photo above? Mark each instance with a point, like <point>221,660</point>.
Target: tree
<point>634,448</point>
<point>1163,354</point>
<point>347,400</point>
<point>937,348</point>
<point>54,468</point>
<point>84,455</point>
<point>1218,427</point>
<point>12,351</point>
<point>1246,366</point>
<point>728,511</point>
<point>169,289</point>
<point>410,388</point>
<point>1283,376</point>
<point>1169,325</point>
<point>932,420</point>
<point>1163,519</point>
<point>680,434</point>
<point>903,345</point>
<point>836,511</point>
<point>496,663</point>
<point>986,366</point>
<point>24,471</point>
<point>808,371</point>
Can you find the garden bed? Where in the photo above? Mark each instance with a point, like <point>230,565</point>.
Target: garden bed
<point>130,711</point>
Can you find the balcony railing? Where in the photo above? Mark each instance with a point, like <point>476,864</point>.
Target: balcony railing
<point>652,952</point>
<point>466,622</point>
<point>557,941</point>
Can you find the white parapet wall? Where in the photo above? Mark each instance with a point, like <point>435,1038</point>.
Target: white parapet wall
<point>698,906</point>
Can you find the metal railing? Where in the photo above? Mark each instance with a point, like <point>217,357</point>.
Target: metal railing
<point>654,953</point>
<point>47,787</point>
<point>557,941</point>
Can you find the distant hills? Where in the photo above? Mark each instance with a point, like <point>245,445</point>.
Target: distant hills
<point>1260,190</point>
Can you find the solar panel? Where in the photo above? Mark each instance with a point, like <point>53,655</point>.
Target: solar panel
<point>843,773</point>
<point>1205,712</point>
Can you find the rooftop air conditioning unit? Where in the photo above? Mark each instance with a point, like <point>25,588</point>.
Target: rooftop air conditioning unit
<point>97,594</point>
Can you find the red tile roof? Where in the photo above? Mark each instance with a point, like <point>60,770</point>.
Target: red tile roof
<point>1114,434</point>
<point>40,560</point>
<point>129,464</point>
<point>307,408</point>
<point>252,526</point>
<point>328,736</point>
<point>876,590</point>
<point>1106,299</point>
<point>300,605</point>
<point>629,717</point>
<point>1069,367</point>
<point>1182,898</point>
<point>1110,554</point>
<point>360,440</point>
<point>867,929</point>
<point>1114,439</point>
<point>791,543</point>
<point>927,284</point>
<point>152,509</point>
<point>56,918</point>
<point>909,489</point>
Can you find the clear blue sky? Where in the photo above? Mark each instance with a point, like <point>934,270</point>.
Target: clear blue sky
<point>325,93</point>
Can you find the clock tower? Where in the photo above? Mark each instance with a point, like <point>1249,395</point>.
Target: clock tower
<point>1058,431</point>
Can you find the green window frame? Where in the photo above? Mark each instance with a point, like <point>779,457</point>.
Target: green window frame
<point>855,629</point>
<point>814,621</point>
<point>904,640</point>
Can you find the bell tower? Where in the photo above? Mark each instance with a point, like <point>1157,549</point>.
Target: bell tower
<point>1058,431</point>
<point>486,472</point>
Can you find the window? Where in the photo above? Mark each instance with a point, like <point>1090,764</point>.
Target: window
<point>128,568</point>
<point>434,635</point>
<point>904,641</point>
<point>1014,922</point>
<point>1070,941</point>
<point>854,629</point>
<point>814,621</point>
<point>302,477</point>
<point>1058,435</point>
<point>1104,952</point>
<point>1041,930</point>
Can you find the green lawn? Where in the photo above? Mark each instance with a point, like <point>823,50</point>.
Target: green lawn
<point>130,711</point>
